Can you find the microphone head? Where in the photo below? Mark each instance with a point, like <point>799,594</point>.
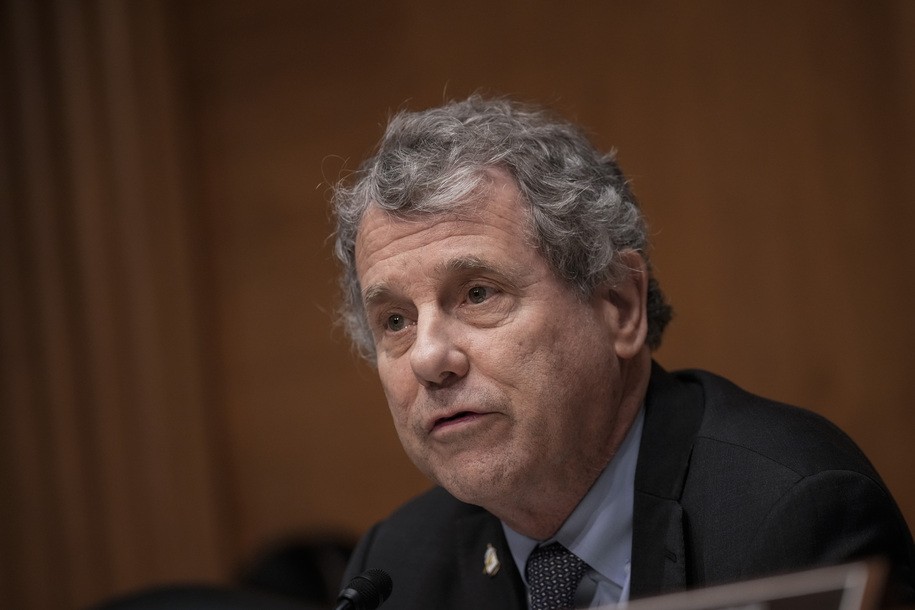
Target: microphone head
<point>366,591</point>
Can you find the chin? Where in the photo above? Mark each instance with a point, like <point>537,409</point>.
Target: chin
<point>482,488</point>
<point>475,495</point>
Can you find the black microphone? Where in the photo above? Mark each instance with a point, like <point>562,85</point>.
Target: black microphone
<point>366,591</point>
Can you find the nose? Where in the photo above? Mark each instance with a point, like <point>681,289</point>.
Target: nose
<point>436,356</point>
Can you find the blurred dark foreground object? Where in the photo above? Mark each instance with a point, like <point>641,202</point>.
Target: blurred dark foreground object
<point>856,586</point>
<point>305,568</point>
<point>301,572</point>
<point>200,597</point>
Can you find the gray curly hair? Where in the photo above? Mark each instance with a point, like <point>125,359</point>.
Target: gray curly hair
<point>430,162</point>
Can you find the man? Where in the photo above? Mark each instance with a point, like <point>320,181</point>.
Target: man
<point>495,269</point>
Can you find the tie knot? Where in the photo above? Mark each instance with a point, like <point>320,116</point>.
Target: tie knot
<point>553,574</point>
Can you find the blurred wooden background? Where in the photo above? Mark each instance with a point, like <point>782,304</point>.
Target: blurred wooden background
<point>174,391</point>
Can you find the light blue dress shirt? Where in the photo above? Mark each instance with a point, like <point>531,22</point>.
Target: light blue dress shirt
<point>599,530</point>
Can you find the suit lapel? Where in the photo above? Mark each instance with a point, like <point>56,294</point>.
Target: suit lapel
<point>502,590</point>
<point>673,413</point>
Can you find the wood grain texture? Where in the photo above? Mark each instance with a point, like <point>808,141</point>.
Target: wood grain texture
<point>175,391</point>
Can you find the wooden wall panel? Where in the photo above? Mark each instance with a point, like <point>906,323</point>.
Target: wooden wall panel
<point>175,392</point>
<point>768,142</point>
<point>106,444</point>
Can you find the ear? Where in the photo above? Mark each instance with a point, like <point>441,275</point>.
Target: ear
<point>625,305</point>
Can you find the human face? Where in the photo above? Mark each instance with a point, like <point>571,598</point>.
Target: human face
<point>502,379</point>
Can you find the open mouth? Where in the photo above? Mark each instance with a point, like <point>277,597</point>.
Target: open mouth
<point>459,416</point>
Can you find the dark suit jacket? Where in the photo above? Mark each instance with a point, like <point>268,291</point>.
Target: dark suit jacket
<point>728,486</point>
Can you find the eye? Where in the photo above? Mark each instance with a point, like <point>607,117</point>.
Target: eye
<point>395,322</point>
<point>478,294</point>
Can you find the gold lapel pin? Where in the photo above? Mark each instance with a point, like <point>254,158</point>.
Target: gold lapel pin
<point>491,563</point>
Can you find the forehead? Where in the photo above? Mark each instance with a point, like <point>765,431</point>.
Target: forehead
<point>495,221</point>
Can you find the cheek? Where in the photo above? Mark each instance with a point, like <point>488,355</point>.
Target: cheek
<point>397,400</point>
<point>571,367</point>
<point>397,387</point>
<point>400,389</point>
<point>539,358</point>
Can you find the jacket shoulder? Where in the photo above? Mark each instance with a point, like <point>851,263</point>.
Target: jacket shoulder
<point>793,438</point>
<point>771,487</point>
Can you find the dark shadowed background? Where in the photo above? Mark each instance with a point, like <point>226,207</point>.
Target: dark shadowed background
<point>175,394</point>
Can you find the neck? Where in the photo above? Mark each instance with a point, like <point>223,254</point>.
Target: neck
<point>539,515</point>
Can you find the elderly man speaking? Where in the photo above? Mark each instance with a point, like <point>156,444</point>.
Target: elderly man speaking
<point>496,271</point>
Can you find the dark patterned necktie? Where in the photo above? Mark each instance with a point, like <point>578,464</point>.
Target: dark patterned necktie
<point>553,574</point>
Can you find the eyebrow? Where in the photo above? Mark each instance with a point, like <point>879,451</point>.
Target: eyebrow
<point>375,293</point>
<point>462,264</point>
<point>471,263</point>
